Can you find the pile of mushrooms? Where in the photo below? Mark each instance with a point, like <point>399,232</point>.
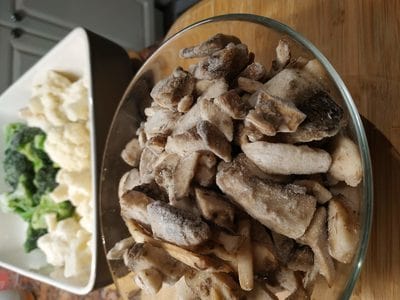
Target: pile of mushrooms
<point>235,186</point>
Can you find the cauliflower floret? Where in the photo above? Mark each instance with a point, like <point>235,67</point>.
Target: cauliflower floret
<point>75,186</point>
<point>53,83</point>
<point>35,105</point>
<point>60,193</point>
<point>35,120</point>
<point>75,105</point>
<point>80,254</point>
<point>69,150</point>
<point>51,109</point>
<point>67,245</point>
<point>85,210</point>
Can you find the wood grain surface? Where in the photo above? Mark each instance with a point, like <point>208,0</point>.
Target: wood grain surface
<point>361,38</point>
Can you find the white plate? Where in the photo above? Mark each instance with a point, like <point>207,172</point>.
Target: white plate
<point>72,56</point>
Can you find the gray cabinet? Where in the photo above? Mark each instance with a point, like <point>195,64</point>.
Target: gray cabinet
<point>18,53</point>
<point>29,28</point>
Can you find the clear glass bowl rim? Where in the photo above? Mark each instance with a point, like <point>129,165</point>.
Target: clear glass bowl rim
<point>367,189</point>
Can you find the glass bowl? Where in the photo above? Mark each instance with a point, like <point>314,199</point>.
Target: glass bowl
<point>261,35</point>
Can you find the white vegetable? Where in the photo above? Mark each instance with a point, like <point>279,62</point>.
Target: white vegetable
<point>60,107</point>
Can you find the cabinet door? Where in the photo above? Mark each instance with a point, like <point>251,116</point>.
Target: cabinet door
<point>129,23</point>
<point>14,15</point>
<point>18,53</point>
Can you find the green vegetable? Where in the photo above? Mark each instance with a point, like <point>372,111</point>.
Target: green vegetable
<point>32,235</point>
<point>32,176</point>
<point>11,130</point>
<point>15,165</point>
<point>21,199</point>
<point>45,180</point>
<point>62,210</point>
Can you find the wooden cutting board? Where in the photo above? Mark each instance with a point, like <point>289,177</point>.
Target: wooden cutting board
<point>361,38</point>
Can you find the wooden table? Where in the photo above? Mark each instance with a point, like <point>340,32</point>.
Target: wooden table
<point>361,38</point>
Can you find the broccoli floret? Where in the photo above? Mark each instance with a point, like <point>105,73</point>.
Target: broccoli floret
<point>62,210</point>
<point>21,200</point>
<point>38,157</point>
<point>15,165</point>
<point>32,235</point>
<point>29,141</point>
<point>11,130</point>
<point>45,179</point>
<point>24,135</point>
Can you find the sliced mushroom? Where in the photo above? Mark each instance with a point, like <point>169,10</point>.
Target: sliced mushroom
<point>177,226</point>
<point>189,204</point>
<point>208,47</point>
<point>206,169</point>
<point>287,279</point>
<point>215,208</point>
<point>143,256</point>
<point>316,189</point>
<point>352,195</point>
<point>316,237</point>
<point>279,207</point>
<point>284,247</point>
<point>265,123</point>
<point>254,71</point>
<point>146,165</point>
<point>129,181</point>
<point>247,133</point>
<point>141,134</point>
<point>214,89</point>
<point>249,85</point>
<point>157,143</point>
<point>162,121</point>
<point>212,113</point>
<point>264,256</point>
<point>188,120</point>
<point>346,161</point>
<point>231,103</point>
<point>293,85</point>
<point>225,63</point>
<point>134,206</point>
<point>131,153</point>
<point>302,259</point>
<point>231,243</point>
<point>185,143</point>
<point>272,115</point>
<point>168,92</point>
<point>213,285</point>
<point>343,230</point>
<point>196,261</point>
<point>187,257</point>
<point>149,280</point>
<point>164,170</point>
<point>118,250</point>
<point>278,158</point>
<point>184,174</point>
<point>324,119</point>
<point>138,232</point>
<point>153,190</point>
<point>185,103</point>
<point>252,169</point>
<point>214,140</point>
<point>282,58</point>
